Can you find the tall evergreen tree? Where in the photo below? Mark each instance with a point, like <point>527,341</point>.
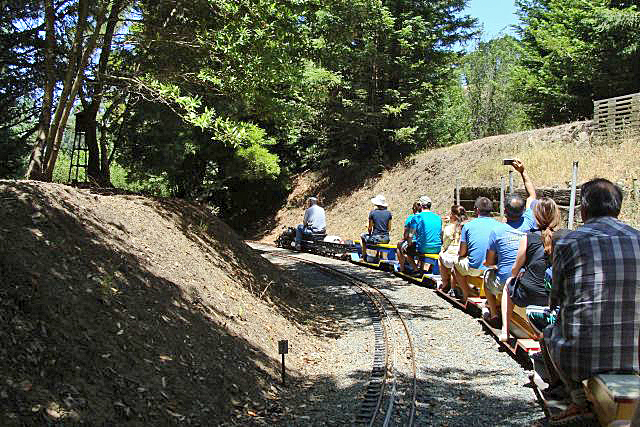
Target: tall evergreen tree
<point>576,51</point>
<point>393,61</point>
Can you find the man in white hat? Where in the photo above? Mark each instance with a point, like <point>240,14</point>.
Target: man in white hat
<point>314,222</point>
<point>379,224</point>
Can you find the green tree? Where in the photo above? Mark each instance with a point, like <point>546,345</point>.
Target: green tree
<point>575,51</point>
<point>488,74</point>
<point>212,86</point>
<point>20,80</point>
<point>391,63</point>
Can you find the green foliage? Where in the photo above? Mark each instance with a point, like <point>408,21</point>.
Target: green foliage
<point>452,121</point>
<point>575,51</point>
<point>488,75</point>
<point>388,66</point>
<point>19,83</point>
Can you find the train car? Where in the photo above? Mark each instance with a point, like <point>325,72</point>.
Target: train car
<point>318,244</point>
<point>383,257</point>
<point>615,397</point>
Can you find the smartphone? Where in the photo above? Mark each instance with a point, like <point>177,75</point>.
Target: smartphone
<point>507,162</point>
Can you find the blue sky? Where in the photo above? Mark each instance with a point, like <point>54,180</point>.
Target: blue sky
<point>496,16</point>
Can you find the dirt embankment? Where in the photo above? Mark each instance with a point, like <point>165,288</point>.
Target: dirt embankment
<point>548,155</point>
<point>123,310</point>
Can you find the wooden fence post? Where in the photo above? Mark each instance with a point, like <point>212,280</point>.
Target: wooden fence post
<point>572,201</point>
<point>502,196</point>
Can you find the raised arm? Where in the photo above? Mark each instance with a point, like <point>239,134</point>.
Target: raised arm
<point>528,185</point>
<point>521,257</point>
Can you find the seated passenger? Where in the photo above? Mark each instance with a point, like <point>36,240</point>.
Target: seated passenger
<point>504,243</point>
<point>596,277</point>
<point>534,255</point>
<point>451,246</point>
<point>406,248</point>
<point>379,225</point>
<point>313,222</point>
<point>474,241</point>
<point>426,229</point>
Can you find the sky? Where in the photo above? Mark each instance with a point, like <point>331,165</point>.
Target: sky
<point>496,16</point>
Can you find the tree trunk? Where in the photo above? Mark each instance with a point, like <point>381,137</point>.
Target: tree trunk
<point>68,105</point>
<point>76,51</point>
<point>36,164</point>
<point>91,139</point>
<point>98,164</point>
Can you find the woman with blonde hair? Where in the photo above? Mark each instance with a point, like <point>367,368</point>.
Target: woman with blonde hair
<point>450,246</point>
<point>527,287</point>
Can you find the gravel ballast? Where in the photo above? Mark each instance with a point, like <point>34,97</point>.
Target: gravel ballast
<point>463,377</point>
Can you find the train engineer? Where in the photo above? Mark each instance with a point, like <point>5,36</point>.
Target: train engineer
<point>379,224</point>
<point>314,222</point>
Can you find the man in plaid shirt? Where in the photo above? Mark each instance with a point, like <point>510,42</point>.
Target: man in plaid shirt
<point>596,284</point>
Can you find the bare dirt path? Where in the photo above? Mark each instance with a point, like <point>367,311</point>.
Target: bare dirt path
<point>463,378</point>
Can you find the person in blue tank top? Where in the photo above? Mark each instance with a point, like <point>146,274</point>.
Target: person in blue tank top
<point>379,225</point>
<point>474,241</point>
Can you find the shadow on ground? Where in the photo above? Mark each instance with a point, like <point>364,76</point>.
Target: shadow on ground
<point>91,335</point>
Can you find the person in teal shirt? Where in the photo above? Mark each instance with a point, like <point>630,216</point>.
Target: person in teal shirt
<point>406,248</point>
<point>427,229</point>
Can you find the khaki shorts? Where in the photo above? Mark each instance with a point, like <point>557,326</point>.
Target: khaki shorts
<point>448,260</point>
<point>491,282</point>
<point>462,267</point>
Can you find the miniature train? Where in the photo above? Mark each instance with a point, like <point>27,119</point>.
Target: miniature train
<point>614,397</point>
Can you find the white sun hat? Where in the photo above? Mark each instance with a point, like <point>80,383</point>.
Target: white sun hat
<point>379,200</point>
<point>425,200</point>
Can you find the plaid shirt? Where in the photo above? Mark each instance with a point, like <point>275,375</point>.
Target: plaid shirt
<point>596,279</point>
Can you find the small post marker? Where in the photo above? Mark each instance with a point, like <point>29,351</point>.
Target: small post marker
<point>283,348</point>
<point>572,201</point>
<point>636,191</point>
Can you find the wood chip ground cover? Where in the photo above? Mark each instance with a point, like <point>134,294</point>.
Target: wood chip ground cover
<point>124,310</point>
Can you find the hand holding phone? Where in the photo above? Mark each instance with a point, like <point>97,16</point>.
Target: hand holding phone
<point>507,162</point>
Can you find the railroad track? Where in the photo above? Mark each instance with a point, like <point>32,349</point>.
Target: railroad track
<point>392,340</point>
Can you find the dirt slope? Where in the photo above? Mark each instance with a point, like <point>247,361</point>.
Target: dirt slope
<point>548,155</point>
<point>123,310</point>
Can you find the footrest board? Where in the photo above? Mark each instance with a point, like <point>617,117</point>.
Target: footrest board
<point>615,397</point>
<point>428,280</point>
<point>452,300</point>
<point>363,263</point>
<point>528,345</point>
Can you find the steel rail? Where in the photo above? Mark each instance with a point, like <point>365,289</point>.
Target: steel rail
<point>368,289</point>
